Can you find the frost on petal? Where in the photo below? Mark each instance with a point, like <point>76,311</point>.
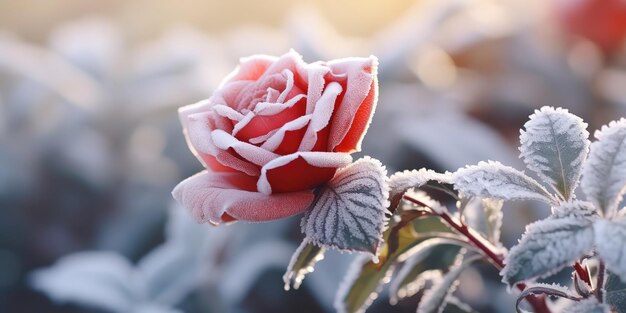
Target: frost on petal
<point>261,121</point>
<point>589,305</point>
<point>300,171</point>
<point>604,174</point>
<point>400,182</point>
<point>209,195</point>
<point>314,75</point>
<point>354,114</point>
<point>228,112</point>
<point>349,212</point>
<point>609,238</point>
<point>273,108</point>
<point>547,246</point>
<point>281,142</point>
<point>96,279</point>
<point>494,180</point>
<point>434,299</point>
<point>302,262</point>
<point>321,115</point>
<point>251,68</point>
<point>361,285</point>
<point>555,145</point>
<point>249,152</point>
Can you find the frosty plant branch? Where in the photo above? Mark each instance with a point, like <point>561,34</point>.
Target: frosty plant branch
<point>537,302</point>
<point>242,139</point>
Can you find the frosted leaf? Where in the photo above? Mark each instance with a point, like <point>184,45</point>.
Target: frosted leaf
<point>302,262</point>
<point>361,285</point>
<point>604,173</point>
<point>172,270</point>
<point>400,182</point>
<point>435,298</point>
<point>610,237</point>
<point>574,208</point>
<point>546,247</point>
<point>348,213</point>
<point>589,305</point>
<point>555,145</point>
<point>544,289</point>
<point>494,180</point>
<point>428,255</point>
<point>615,292</point>
<point>485,216</point>
<point>94,279</point>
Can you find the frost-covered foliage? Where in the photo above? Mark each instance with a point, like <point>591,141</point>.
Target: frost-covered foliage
<point>348,213</point>
<point>554,145</point>
<point>109,281</point>
<point>604,180</point>
<point>585,236</point>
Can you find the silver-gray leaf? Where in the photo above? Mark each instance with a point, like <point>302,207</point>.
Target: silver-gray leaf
<point>348,213</point>
<point>494,180</point>
<point>555,145</point>
<point>610,237</point>
<point>547,246</point>
<point>604,174</point>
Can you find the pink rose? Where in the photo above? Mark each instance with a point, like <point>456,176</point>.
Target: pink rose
<point>275,129</point>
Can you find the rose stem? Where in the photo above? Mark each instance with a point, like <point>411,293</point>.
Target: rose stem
<point>600,282</point>
<point>537,302</point>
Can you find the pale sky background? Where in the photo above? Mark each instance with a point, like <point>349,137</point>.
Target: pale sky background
<point>31,19</point>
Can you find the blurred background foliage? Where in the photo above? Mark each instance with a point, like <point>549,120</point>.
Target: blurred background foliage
<point>90,143</point>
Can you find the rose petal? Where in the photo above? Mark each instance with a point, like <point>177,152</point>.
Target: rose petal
<point>291,61</point>
<point>198,134</point>
<point>220,197</point>
<point>321,115</point>
<point>251,68</point>
<point>228,112</point>
<point>273,108</point>
<point>362,119</point>
<point>300,171</point>
<point>288,86</point>
<point>249,152</point>
<point>360,78</point>
<point>229,93</point>
<point>255,125</point>
<point>313,75</point>
<point>198,107</point>
<point>277,139</point>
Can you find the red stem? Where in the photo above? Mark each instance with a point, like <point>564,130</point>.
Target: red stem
<point>537,302</point>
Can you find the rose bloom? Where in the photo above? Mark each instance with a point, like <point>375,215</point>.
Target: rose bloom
<point>274,130</point>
